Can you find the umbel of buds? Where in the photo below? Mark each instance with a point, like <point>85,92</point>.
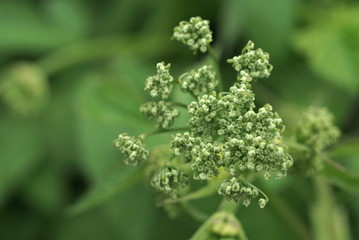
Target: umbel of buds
<point>160,84</point>
<point>316,129</point>
<point>132,148</point>
<point>225,131</point>
<point>160,111</point>
<point>169,180</point>
<point>195,33</point>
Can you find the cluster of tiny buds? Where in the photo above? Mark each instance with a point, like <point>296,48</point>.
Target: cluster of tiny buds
<point>199,82</point>
<point>238,190</point>
<point>160,111</point>
<point>160,84</point>
<point>194,33</point>
<point>316,129</point>
<point>133,149</point>
<point>169,180</point>
<point>251,64</point>
<point>225,132</point>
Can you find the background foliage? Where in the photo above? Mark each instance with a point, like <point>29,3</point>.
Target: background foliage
<point>55,143</point>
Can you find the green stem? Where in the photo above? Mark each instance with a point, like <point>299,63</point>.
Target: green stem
<point>165,130</point>
<point>178,104</point>
<point>215,61</point>
<point>228,206</point>
<point>194,212</point>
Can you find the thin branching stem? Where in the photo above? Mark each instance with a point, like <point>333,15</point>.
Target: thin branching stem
<point>215,61</point>
<point>164,130</point>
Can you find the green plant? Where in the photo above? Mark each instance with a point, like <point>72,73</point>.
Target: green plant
<point>227,144</point>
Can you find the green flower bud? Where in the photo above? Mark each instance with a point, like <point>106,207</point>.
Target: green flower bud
<point>161,84</point>
<point>195,33</point>
<point>24,88</point>
<point>132,148</point>
<point>251,64</point>
<point>199,82</point>
<point>169,180</point>
<point>316,129</point>
<point>161,112</point>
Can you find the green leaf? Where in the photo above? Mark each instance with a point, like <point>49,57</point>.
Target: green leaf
<point>23,29</point>
<point>330,44</point>
<point>329,220</point>
<point>341,176</point>
<point>21,146</point>
<point>106,189</point>
<point>268,24</point>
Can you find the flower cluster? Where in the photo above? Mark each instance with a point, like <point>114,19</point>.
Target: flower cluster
<point>317,129</point>
<point>226,132</point>
<point>251,64</point>
<point>203,115</point>
<point>195,33</point>
<point>203,155</point>
<point>239,190</point>
<point>199,82</point>
<point>169,180</point>
<point>160,84</point>
<point>132,148</point>
<point>160,111</point>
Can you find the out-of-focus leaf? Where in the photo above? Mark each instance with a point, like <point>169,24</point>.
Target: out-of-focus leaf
<point>346,150</point>
<point>105,189</point>
<point>331,45</point>
<point>268,24</point>
<point>23,29</point>
<point>46,191</point>
<point>329,221</point>
<point>107,104</point>
<point>231,24</point>
<point>340,176</point>
<point>21,148</point>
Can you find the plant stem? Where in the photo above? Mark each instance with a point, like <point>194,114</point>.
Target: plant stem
<point>178,104</point>
<point>194,212</point>
<point>166,130</point>
<point>215,61</point>
<point>228,206</point>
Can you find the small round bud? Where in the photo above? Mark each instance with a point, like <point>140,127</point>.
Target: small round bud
<point>262,202</point>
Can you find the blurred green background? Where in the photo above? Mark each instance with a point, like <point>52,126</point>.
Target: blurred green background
<point>71,78</point>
